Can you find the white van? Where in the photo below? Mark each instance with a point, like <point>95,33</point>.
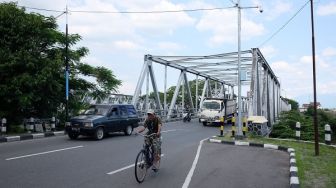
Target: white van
<point>212,110</point>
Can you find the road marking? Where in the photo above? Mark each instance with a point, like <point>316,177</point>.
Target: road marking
<point>124,168</point>
<point>193,167</point>
<point>42,153</point>
<point>169,130</point>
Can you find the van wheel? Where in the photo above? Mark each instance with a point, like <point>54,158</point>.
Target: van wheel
<point>73,136</point>
<point>99,134</point>
<point>128,131</point>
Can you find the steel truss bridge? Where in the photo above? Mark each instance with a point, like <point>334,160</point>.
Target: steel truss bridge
<point>219,70</point>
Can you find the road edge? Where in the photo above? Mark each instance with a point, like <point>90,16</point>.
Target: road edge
<point>293,170</point>
<point>4,139</point>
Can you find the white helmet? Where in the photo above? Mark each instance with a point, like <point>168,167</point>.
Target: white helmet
<point>151,112</point>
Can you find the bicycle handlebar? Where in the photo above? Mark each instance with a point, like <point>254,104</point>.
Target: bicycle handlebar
<point>144,135</point>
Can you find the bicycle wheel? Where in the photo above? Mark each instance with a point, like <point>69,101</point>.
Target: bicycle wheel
<point>158,162</point>
<point>140,167</point>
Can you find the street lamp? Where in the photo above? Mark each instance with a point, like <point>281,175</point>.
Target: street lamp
<point>239,132</point>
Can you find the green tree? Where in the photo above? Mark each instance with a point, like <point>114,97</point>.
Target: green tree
<point>32,59</point>
<point>294,104</point>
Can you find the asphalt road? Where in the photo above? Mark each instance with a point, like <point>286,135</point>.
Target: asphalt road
<point>60,162</point>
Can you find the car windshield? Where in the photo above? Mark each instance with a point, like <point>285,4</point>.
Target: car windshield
<point>97,110</point>
<point>211,105</point>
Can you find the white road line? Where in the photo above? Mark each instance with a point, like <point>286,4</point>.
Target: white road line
<point>124,168</point>
<point>169,130</point>
<point>42,153</point>
<point>193,167</point>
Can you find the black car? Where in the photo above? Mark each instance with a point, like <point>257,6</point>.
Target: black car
<point>99,120</point>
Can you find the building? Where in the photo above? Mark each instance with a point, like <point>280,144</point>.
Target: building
<point>311,104</point>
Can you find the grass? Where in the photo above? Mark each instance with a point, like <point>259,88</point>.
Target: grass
<point>314,171</point>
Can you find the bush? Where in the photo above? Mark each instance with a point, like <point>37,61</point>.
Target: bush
<point>16,129</point>
<point>285,128</point>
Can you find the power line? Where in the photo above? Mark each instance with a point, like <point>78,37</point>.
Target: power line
<point>42,9</point>
<point>132,12</point>
<point>282,27</point>
<point>152,12</point>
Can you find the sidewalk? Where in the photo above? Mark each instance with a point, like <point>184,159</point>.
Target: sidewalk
<point>28,136</point>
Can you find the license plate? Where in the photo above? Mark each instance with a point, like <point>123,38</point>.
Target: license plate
<point>75,129</point>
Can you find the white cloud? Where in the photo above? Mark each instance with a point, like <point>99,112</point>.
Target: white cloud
<point>297,78</point>
<point>277,8</point>
<point>223,25</point>
<point>170,46</point>
<point>160,23</point>
<point>327,87</point>
<point>126,45</point>
<point>268,51</point>
<point>308,60</point>
<point>328,52</point>
<point>327,9</point>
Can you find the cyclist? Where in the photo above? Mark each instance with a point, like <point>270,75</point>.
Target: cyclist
<point>153,124</point>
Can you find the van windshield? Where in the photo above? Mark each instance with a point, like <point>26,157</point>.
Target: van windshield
<point>97,110</point>
<point>211,105</point>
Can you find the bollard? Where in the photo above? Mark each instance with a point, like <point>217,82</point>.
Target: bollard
<point>249,125</point>
<point>31,125</point>
<point>53,125</point>
<point>233,125</point>
<point>327,134</point>
<point>222,126</point>
<point>3,126</point>
<point>244,126</point>
<point>298,131</point>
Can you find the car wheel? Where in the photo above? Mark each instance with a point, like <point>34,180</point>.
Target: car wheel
<point>204,123</point>
<point>99,134</point>
<point>129,129</point>
<point>73,136</point>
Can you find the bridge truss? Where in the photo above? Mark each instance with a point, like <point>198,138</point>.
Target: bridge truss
<point>257,76</point>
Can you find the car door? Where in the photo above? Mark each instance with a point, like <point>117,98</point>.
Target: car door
<point>113,119</point>
<point>124,118</point>
<point>132,115</point>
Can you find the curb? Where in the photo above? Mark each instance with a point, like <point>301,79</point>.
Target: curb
<point>29,136</point>
<point>303,141</point>
<point>293,170</point>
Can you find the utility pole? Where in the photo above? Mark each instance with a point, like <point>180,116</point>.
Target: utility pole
<point>239,131</point>
<point>316,132</point>
<point>239,120</point>
<point>66,67</point>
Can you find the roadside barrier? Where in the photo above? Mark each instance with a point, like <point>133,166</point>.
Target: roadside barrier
<point>244,126</point>
<point>298,130</point>
<point>233,125</point>
<point>3,126</point>
<point>222,120</point>
<point>327,134</point>
<point>53,123</point>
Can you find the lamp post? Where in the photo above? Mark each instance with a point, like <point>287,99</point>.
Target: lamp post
<point>239,121</point>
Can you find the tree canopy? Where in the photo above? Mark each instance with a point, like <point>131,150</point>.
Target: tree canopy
<point>32,63</point>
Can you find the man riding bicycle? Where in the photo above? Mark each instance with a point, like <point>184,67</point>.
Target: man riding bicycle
<point>153,124</point>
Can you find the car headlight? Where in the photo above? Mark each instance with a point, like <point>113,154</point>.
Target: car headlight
<point>216,117</point>
<point>88,124</point>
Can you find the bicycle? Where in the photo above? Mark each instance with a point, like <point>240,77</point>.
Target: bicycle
<point>145,158</point>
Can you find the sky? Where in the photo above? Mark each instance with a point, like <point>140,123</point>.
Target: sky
<point>120,41</point>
